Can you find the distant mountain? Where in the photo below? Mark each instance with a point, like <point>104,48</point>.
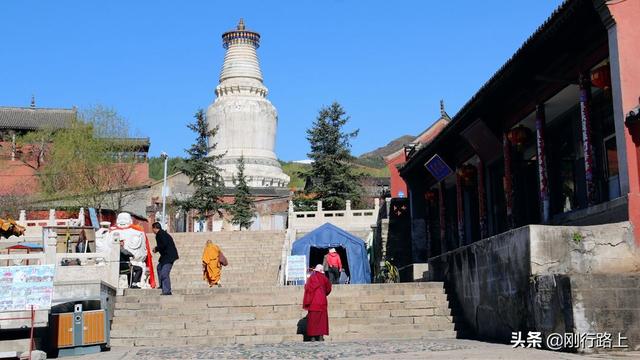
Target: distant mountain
<point>375,158</point>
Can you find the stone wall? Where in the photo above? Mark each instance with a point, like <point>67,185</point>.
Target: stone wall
<point>607,302</point>
<point>536,278</point>
<point>488,282</point>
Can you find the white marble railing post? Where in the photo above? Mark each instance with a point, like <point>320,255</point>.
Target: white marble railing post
<point>52,217</point>
<point>319,213</point>
<point>49,242</point>
<point>347,214</point>
<point>114,262</point>
<point>81,217</point>
<point>376,205</point>
<point>22,219</point>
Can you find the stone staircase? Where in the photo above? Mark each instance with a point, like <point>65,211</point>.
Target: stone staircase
<point>271,314</point>
<point>254,258</point>
<point>251,308</point>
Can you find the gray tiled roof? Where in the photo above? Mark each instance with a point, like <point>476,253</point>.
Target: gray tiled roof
<point>21,118</point>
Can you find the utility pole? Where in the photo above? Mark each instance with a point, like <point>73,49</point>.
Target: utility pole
<point>164,156</point>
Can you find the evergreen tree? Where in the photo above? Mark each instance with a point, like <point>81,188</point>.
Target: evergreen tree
<point>243,208</point>
<point>202,172</point>
<point>332,176</point>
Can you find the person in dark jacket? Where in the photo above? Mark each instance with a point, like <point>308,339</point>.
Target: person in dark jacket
<point>168,255</point>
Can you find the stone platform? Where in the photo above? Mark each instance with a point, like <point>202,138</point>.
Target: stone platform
<point>445,349</point>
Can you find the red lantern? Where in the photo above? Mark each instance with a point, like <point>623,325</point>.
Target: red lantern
<point>601,77</point>
<point>430,196</point>
<point>467,172</point>
<point>519,136</point>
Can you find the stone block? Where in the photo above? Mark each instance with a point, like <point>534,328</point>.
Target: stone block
<point>412,312</point>
<point>368,314</point>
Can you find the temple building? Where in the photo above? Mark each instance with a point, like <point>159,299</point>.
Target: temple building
<point>246,120</point>
<point>527,204</point>
<point>19,164</point>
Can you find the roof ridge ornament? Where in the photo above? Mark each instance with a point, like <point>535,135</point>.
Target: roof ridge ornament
<point>443,113</point>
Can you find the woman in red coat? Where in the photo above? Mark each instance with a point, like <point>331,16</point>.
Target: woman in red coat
<point>315,302</point>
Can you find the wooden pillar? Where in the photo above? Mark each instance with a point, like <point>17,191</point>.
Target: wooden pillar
<point>587,148</point>
<point>427,225</point>
<point>482,202</point>
<point>460,208</point>
<point>542,164</point>
<point>442,220</point>
<point>507,181</point>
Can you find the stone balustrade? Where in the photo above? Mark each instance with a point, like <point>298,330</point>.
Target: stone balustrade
<point>346,219</point>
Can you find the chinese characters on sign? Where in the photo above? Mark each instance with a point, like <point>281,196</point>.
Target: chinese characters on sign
<point>296,268</point>
<point>557,341</point>
<point>438,168</point>
<point>24,286</point>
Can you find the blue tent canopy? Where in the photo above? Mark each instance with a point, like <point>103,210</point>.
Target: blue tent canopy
<point>328,236</point>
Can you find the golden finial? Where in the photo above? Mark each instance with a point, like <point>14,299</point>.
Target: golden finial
<point>241,24</point>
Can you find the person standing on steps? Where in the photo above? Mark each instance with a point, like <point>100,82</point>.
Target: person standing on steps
<point>315,302</point>
<point>333,266</point>
<point>212,262</point>
<point>168,255</point>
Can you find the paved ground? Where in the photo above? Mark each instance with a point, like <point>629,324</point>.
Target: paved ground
<point>390,349</point>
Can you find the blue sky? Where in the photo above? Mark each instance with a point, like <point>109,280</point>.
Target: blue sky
<point>387,62</point>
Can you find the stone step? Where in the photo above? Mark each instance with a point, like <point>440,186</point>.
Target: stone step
<point>278,304</point>
<point>265,339</point>
<point>274,330</point>
<point>271,314</point>
<point>194,322</point>
<point>368,288</point>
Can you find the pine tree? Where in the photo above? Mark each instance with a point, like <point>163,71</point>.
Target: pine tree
<point>202,172</point>
<point>243,208</point>
<point>332,176</point>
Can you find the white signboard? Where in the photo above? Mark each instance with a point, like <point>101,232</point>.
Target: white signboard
<point>24,286</point>
<point>296,268</point>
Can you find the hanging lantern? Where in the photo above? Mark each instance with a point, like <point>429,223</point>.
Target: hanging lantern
<point>430,196</point>
<point>467,172</point>
<point>519,136</point>
<point>601,77</point>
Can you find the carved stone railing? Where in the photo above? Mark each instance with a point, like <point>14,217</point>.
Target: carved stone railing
<point>346,219</point>
<point>34,226</point>
<point>90,266</point>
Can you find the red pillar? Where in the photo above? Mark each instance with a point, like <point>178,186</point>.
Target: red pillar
<point>587,148</point>
<point>482,202</point>
<point>542,164</point>
<point>507,181</point>
<point>460,212</point>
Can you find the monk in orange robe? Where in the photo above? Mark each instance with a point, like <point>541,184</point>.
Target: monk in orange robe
<point>212,262</point>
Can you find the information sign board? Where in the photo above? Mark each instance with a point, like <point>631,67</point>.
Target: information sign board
<point>296,268</point>
<point>24,286</point>
<point>438,168</point>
